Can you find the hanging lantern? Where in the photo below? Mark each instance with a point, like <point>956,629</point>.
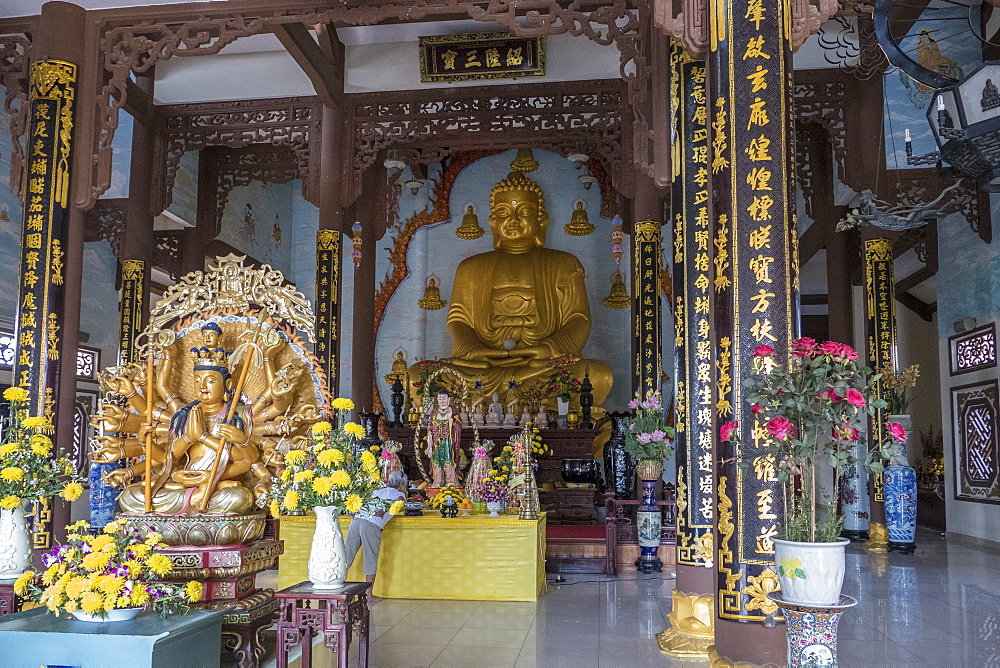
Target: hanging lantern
<point>616,238</point>
<point>356,243</point>
<point>619,294</point>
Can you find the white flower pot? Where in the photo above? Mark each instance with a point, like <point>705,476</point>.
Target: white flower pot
<point>116,615</point>
<point>15,547</point>
<point>563,405</point>
<point>494,507</point>
<point>810,573</point>
<point>327,557</point>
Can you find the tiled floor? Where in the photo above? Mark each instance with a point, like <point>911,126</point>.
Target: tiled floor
<point>939,607</point>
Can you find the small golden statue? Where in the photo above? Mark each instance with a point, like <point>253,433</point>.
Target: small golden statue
<point>619,293</point>
<point>432,297</point>
<point>398,370</point>
<point>579,225</point>
<point>227,390</point>
<point>470,228</point>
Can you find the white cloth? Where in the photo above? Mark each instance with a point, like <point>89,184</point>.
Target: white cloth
<point>388,494</point>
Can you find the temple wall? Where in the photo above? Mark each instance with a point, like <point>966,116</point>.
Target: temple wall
<point>436,250</point>
<point>970,288</point>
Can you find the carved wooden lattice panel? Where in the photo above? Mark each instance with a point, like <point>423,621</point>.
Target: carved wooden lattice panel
<point>974,409</point>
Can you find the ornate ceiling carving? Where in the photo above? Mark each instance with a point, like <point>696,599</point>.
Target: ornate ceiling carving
<point>15,54</point>
<point>292,123</point>
<point>106,221</point>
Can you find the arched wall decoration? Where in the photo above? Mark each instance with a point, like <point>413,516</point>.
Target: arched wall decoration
<point>440,211</point>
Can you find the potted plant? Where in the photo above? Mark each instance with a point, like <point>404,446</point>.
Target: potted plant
<point>648,440</point>
<point>329,477</point>
<point>894,387</point>
<point>112,576</point>
<point>562,384</point>
<point>28,471</point>
<point>808,411</point>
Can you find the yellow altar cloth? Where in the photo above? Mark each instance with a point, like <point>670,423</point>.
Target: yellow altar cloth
<point>473,557</point>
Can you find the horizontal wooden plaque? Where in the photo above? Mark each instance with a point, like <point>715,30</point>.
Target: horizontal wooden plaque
<point>481,55</point>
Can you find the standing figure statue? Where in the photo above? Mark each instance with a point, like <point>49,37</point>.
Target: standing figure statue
<point>444,438</point>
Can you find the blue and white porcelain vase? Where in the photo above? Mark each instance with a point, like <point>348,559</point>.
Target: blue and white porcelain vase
<point>900,485</point>
<point>648,517</point>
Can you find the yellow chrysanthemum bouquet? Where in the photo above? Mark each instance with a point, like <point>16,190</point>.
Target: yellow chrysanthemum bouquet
<point>117,569</point>
<point>28,470</point>
<point>331,472</point>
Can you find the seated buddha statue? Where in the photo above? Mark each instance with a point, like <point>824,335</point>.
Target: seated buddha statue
<point>520,306</point>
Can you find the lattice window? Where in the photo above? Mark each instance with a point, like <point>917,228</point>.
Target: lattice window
<point>88,361</point>
<point>976,442</point>
<point>973,350</point>
<point>7,346</point>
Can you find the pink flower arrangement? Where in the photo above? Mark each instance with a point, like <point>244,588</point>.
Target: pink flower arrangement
<point>648,437</point>
<point>781,428</point>
<point>897,431</point>
<point>804,347</point>
<point>831,395</point>
<point>727,429</point>
<point>763,351</point>
<point>855,398</point>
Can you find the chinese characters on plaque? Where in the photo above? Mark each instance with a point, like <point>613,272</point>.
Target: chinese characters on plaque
<point>481,55</point>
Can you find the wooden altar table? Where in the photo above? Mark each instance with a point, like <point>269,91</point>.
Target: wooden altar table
<point>438,558</point>
<point>36,638</point>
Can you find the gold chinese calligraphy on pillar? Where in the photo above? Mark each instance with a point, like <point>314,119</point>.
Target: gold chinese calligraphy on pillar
<point>693,366</point>
<point>130,309</point>
<point>880,328</point>
<point>648,311</point>
<point>40,304</point>
<point>327,307</point>
<point>755,284</point>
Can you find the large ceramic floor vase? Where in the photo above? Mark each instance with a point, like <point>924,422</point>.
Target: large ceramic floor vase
<point>810,573</point>
<point>900,487</point>
<point>648,517</point>
<point>15,547</point>
<point>327,557</point>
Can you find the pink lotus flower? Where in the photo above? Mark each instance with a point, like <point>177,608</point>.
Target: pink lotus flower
<point>633,404</point>
<point>763,351</point>
<point>658,435</point>
<point>727,429</point>
<point>896,431</point>
<point>855,398</point>
<point>781,428</point>
<point>644,438</point>
<point>757,408</point>
<point>804,347</point>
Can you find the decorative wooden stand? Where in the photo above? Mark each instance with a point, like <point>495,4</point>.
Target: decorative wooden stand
<point>338,612</point>
<point>576,505</point>
<point>229,575</point>
<point>9,601</point>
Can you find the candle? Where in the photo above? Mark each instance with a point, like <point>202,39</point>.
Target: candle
<point>940,103</point>
<point>907,135</point>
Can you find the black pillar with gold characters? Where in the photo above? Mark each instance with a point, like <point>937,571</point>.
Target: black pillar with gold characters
<point>880,331</point>
<point>648,311</point>
<point>692,615</point>
<point>39,328</point>
<point>327,304</point>
<point>752,177</point>
<point>130,309</point>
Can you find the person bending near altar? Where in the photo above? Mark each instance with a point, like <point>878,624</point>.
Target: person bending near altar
<point>367,525</point>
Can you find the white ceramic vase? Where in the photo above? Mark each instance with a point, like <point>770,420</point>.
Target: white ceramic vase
<point>810,573</point>
<point>563,405</point>
<point>15,548</point>
<point>116,615</point>
<point>327,557</point>
<point>494,507</point>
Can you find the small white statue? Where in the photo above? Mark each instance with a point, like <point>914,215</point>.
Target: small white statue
<point>477,416</point>
<point>510,417</point>
<point>463,415</point>
<point>541,420</point>
<point>494,415</point>
<point>525,417</point>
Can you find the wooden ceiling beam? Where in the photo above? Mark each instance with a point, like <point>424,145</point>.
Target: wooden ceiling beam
<point>925,311</point>
<point>914,279</point>
<point>321,68</point>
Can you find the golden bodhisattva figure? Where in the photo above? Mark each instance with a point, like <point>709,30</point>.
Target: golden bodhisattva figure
<point>518,307</point>
<point>208,455</point>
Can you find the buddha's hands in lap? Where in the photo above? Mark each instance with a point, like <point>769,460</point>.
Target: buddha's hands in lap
<point>190,477</point>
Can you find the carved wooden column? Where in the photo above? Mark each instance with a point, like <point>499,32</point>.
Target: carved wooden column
<point>329,242</point>
<point>367,211</point>
<point>751,163</point>
<point>692,617</point>
<point>51,264</point>
<point>880,332</point>
<point>647,208</point>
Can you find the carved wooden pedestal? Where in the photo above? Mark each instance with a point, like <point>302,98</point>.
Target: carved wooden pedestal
<point>243,623</point>
<point>9,601</point>
<point>576,505</point>
<point>337,614</point>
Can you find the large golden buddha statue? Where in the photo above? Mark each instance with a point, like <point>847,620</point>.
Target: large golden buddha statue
<point>518,307</point>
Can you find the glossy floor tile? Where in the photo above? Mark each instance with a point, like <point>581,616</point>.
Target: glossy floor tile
<point>936,607</point>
